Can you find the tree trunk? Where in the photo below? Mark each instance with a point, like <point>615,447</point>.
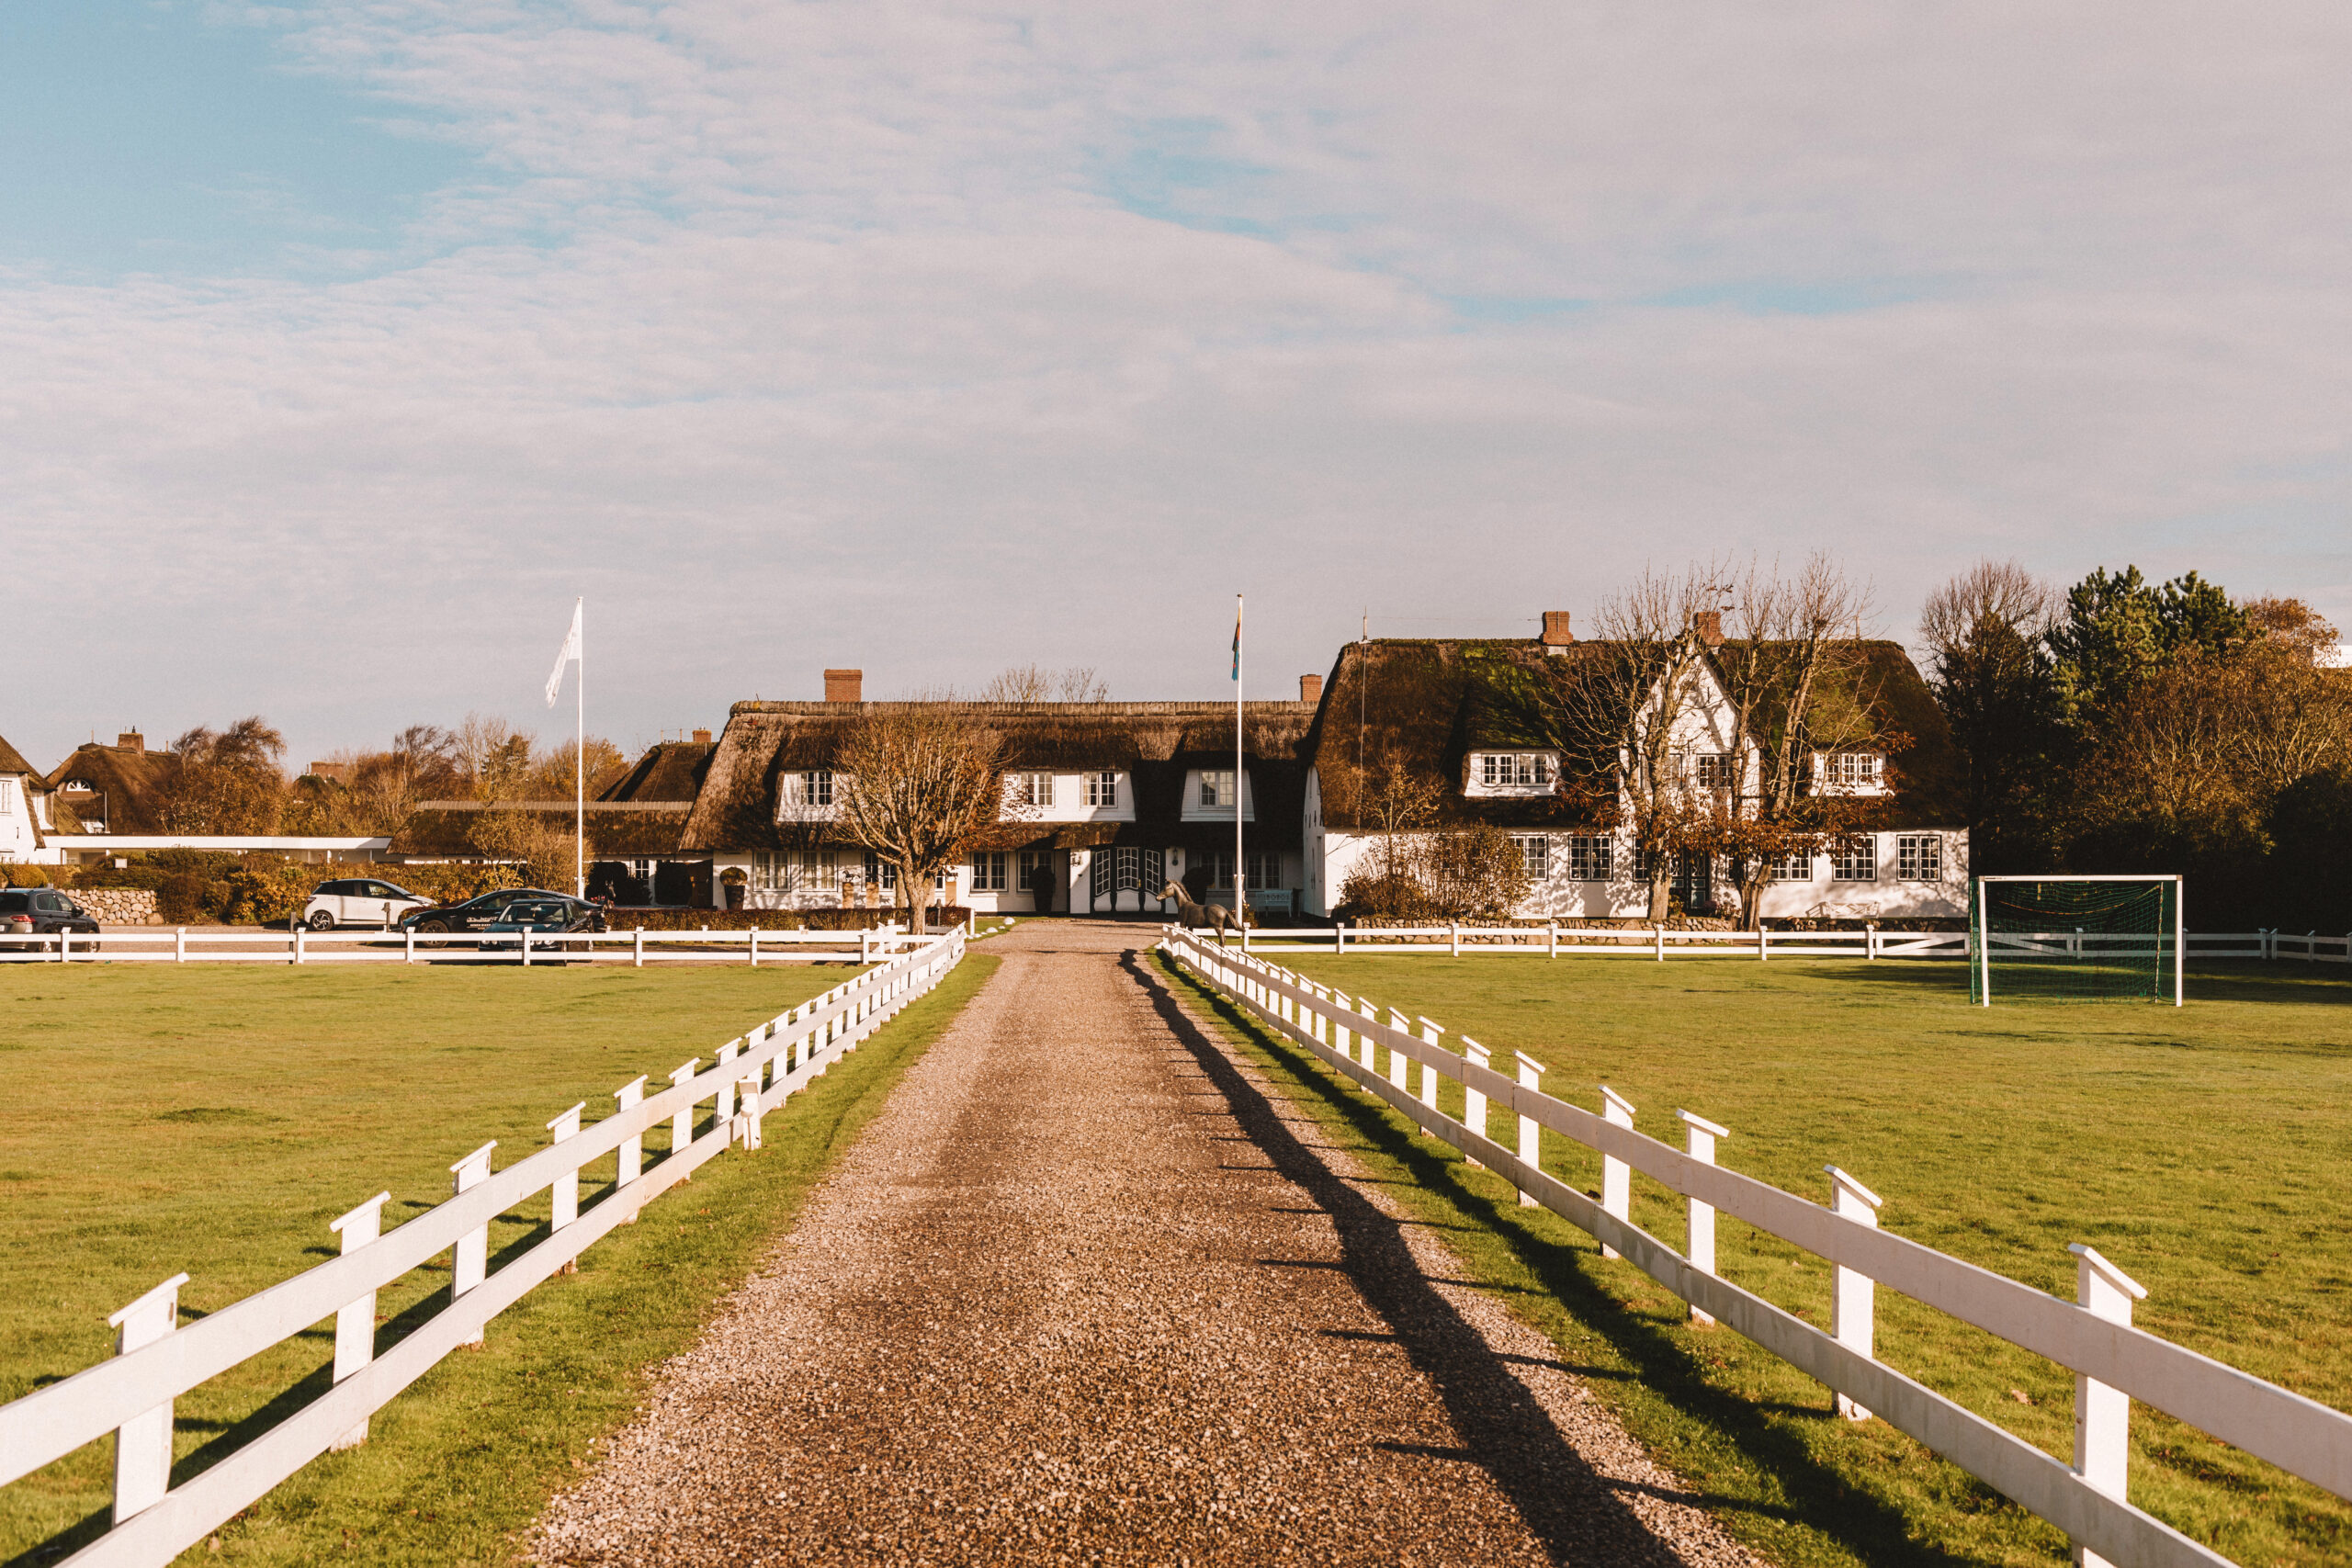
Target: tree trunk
<point>915,890</point>
<point>1753,879</point>
<point>1661,888</point>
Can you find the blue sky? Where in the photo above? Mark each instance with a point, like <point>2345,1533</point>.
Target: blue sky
<point>340,346</point>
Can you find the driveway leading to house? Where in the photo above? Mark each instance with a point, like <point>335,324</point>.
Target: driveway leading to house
<point>1085,1292</point>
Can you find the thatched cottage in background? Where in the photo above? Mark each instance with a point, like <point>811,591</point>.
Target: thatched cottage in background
<point>1105,803</point>
<point>1484,721</point>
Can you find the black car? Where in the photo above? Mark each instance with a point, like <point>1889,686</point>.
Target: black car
<point>477,914</point>
<point>41,911</point>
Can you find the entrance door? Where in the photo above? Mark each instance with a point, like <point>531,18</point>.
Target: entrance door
<point>1694,883</point>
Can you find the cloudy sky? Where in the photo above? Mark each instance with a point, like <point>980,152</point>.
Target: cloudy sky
<point>342,346</point>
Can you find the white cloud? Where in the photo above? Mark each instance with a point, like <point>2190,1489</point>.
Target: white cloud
<point>818,333</point>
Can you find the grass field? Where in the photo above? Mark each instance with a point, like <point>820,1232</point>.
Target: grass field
<point>2205,1150</point>
<point>214,1119</point>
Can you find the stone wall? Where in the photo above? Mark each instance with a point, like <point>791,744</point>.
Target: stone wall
<point>119,905</point>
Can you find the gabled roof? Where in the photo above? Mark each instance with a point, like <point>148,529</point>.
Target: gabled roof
<point>127,779</point>
<point>1154,743</point>
<point>1432,702</point>
<point>671,771</point>
<point>13,761</point>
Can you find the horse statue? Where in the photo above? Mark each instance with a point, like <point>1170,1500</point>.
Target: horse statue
<point>1216,916</point>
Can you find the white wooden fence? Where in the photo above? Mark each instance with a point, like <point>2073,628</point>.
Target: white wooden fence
<point>2113,1362</point>
<point>1656,943</point>
<point>179,945</point>
<point>131,1395</point>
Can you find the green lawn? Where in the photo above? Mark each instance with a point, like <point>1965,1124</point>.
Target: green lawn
<point>214,1119</point>
<point>2205,1150</point>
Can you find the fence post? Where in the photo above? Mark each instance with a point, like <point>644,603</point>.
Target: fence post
<point>865,955</point>
<point>143,1445</point>
<point>1530,1133</point>
<point>179,944</point>
<point>1430,1032</point>
<point>408,944</point>
<point>1370,1012</point>
<point>299,930</point>
<point>1396,1059</point>
<point>755,947</point>
<point>354,1321</point>
<point>726,1081</point>
<point>2102,1415</point>
<point>1852,1307</point>
<point>1551,942</point>
<point>564,1200</point>
<point>681,1124</point>
<point>1474,1101</point>
<point>632,1155</point>
<point>637,948</point>
<point>1701,1251</point>
<point>470,1262</point>
<point>1616,1176</point>
<point>1657,935</point>
<point>1455,928</point>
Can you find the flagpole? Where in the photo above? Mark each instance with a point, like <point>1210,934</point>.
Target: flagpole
<point>579,763</point>
<point>1240,883</point>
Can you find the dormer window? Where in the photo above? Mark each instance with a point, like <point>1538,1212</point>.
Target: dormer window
<point>1034,789</point>
<point>1711,769</point>
<point>1515,770</point>
<point>1217,787</point>
<point>1848,773</point>
<point>813,789</point>
<point>1102,788</point>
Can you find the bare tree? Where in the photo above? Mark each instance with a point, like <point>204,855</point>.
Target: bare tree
<point>1990,667</point>
<point>1794,668</point>
<point>1623,706</point>
<point>1398,803</point>
<point>225,781</point>
<point>1036,684</point>
<point>915,785</point>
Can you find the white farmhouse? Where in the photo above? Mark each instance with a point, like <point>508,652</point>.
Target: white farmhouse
<point>1472,720</point>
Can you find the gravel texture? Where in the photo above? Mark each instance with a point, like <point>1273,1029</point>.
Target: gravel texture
<point>1084,1292</point>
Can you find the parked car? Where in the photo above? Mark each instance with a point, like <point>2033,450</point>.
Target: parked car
<point>476,913</point>
<point>41,911</point>
<point>359,901</point>
<point>547,919</point>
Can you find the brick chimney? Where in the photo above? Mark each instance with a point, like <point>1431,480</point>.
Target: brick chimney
<point>1556,636</point>
<point>1709,625</point>
<point>844,685</point>
<point>130,741</point>
<point>702,737</point>
<point>1310,689</point>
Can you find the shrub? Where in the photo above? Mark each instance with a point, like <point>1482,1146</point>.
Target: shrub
<point>23,876</point>
<point>182,898</point>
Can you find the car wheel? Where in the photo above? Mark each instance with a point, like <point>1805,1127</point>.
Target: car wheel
<point>433,927</point>
<point>322,921</point>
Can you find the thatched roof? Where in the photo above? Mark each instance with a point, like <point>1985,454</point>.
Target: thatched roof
<point>1154,743</point>
<point>671,770</point>
<point>1430,702</point>
<point>13,761</point>
<point>127,780</point>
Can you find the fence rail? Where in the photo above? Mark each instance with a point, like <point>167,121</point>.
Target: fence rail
<point>2113,1361</point>
<point>157,1360</point>
<point>152,944</point>
<point>1656,943</point>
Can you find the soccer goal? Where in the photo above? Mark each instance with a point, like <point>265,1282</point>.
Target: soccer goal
<point>2075,939</point>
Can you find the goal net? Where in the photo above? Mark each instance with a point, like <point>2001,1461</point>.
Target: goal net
<point>2075,939</point>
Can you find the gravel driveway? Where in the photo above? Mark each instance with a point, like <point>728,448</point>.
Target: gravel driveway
<point>1084,1293</point>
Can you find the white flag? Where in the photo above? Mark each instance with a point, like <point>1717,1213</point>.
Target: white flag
<point>570,652</point>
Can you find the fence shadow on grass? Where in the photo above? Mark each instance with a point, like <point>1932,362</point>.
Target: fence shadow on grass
<point>1576,1512</point>
<point>1820,1498</point>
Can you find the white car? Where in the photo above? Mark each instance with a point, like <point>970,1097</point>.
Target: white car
<point>359,901</point>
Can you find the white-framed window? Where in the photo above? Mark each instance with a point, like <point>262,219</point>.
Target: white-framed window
<point>1265,867</point>
<point>7,797</point>
<point>1036,871</point>
<point>1848,770</point>
<point>882,873</point>
<point>1591,857</point>
<point>987,871</point>
<point>1790,868</point>
<point>1918,857</point>
<point>812,788</point>
<point>1857,864</point>
<point>1535,854</point>
<point>1102,788</point>
<point>1217,787</point>
<point>1032,789</point>
<point>1514,769</point>
<point>1711,769</point>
